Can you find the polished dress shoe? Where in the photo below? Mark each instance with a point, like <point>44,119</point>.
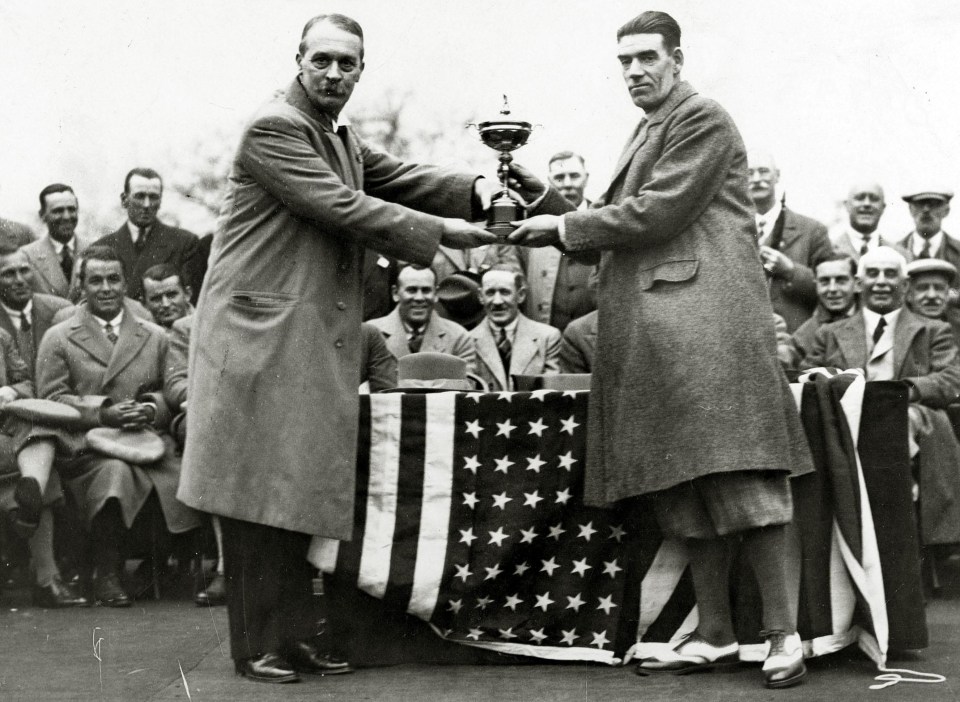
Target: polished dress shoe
<point>26,515</point>
<point>307,658</point>
<point>694,653</point>
<point>108,592</point>
<point>784,666</point>
<point>214,594</point>
<point>268,668</point>
<point>57,594</point>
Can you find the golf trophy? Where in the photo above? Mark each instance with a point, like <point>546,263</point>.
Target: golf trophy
<point>504,135</point>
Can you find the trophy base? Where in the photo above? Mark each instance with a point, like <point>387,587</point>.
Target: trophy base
<point>501,230</point>
<point>503,210</point>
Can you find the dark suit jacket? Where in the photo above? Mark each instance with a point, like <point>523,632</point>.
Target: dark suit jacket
<point>165,244</point>
<point>378,367</point>
<point>805,242</point>
<point>924,354</point>
<point>45,309</point>
<point>379,277</point>
<point>579,344</point>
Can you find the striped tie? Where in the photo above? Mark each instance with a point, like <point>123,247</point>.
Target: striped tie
<point>111,334</point>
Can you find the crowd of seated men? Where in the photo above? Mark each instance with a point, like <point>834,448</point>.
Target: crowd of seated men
<point>105,328</point>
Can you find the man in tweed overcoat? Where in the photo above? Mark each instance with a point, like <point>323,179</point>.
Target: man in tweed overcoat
<point>688,405</point>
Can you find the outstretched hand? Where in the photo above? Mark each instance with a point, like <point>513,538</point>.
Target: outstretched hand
<point>541,230</point>
<point>460,234</point>
<point>522,181</point>
<point>484,190</point>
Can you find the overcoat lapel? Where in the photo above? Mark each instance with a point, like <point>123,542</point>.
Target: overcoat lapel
<point>907,328</point>
<point>132,338</point>
<point>87,334</point>
<point>525,347</point>
<point>852,339</point>
<point>48,265</point>
<point>487,351</point>
<point>7,324</point>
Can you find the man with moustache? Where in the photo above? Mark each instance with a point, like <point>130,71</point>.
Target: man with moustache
<point>144,241</point>
<point>836,279</point>
<point>671,227</point>
<point>931,280</point>
<point>865,205</point>
<point>272,427</point>
<point>413,325</point>
<point>791,245</point>
<point>55,258</point>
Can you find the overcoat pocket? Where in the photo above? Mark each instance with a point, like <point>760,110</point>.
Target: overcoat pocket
<point>668,271</point>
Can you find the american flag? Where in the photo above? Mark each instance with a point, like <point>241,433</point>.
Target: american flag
<point>469,516</point>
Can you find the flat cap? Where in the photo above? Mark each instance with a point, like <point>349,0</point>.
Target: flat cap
<point>932,265</point>
<point>942,194</point>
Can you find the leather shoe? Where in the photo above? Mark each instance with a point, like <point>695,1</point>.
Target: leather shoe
<point>692,654</point>
<point>784,666</point>
<point>307,658</point>
<point>268,668</point>
<point>214,594</point>
<point>108,592</point>
<point>57,594</point>
<point>26,515</point>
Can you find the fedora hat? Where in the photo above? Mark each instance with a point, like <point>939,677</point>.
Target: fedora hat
<point>458,299</point>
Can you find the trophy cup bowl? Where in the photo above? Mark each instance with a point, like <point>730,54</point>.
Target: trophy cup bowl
<point>504,135</point>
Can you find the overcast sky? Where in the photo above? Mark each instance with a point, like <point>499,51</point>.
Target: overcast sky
<point>836,90</point>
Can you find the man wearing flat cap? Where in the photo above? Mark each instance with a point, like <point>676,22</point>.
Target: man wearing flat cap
<point>929,296</point>
<point>928,240</point>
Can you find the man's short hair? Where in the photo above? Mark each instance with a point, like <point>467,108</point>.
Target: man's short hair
<point>416,267</point>
<point>886,251</point>
<point>339,21</point>
<point>839,257</point>
<point>97,252</point>
<point>50,190</point>
<point>519,279</point>
<point>653,22</point>
<point>565,156</point>
<point>161,272</point>
<point>147,173</point>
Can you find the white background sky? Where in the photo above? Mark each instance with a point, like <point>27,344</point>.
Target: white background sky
<point>836,90</point>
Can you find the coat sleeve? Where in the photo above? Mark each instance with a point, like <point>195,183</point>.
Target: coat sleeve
<point>698,151</point>
<point>18,374</point>
<point>817,354</point>
<point>175,372</point>
<point>941,386</point>
<point>803,286</point>
<point>551,365</point>
<point>277,153</point>
<point>572,358</point>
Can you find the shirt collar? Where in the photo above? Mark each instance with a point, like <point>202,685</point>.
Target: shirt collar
<point>511,328</point>
<point>872,319</point>
<point>114,323</point>
<point>17,315</point>
<point>135,231</point>
<point>58,246</point>
<point>770,216</point>
<point>936,241</point>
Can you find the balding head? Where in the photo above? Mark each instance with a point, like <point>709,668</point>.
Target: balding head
<point>865,205</point>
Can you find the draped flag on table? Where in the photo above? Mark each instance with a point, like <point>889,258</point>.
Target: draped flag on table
<point>469,516</point>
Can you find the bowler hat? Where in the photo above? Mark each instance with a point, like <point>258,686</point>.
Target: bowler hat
<point>458,298</point>
<point>933,265</point>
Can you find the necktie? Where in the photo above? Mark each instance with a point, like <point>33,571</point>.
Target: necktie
<point>925,251</point>
<point>866,245</point>
<point>504,347</point>
<point>111,334</point>
<point>878,332</point>
<point>25,321</point>
<point>761,228</point>
<point>141,242</point>
<point>66,263</point>
<point>416,339</point>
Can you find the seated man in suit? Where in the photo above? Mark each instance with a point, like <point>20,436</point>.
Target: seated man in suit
<point>414,326</point>
<point>507,342</point>
<point>931,280</point>
<point>836,279</point>
<point>99,362</point>
<point>54,258</point>
<point>144,241</point>
<point>165,294</point>
<point>889,342</point>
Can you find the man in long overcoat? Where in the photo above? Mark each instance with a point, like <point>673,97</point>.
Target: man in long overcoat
<point>273,376</point>
<point>688,405</point>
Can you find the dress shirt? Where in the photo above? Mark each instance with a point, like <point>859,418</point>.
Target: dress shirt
<point>136,232</point>
<point>936,241</point>
<point>857,239</point>
<point>871,319</point>
<point>511,329</point>
<point>15,316</point>
<point>769,219</point>
<point>71,245</point>
<point>114,323</point>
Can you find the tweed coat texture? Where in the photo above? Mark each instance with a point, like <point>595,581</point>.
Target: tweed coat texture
<point>274,370</point>
<point>78,366</point>
<point>686,380</point>
<point>48,277</point>
<point>441,335</point>
<point>43,314</point>
<point>805,242</point>
<point>536,351</point>
<point>925,355</point>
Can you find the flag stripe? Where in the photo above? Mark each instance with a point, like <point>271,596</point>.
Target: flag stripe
<point>659,582</point>
<point>381,493</point>
<point>437,498</point>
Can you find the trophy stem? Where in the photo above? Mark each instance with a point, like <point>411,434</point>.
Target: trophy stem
<point>504,170</point>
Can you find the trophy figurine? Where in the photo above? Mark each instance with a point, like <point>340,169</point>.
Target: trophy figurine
<point>504,135</point>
